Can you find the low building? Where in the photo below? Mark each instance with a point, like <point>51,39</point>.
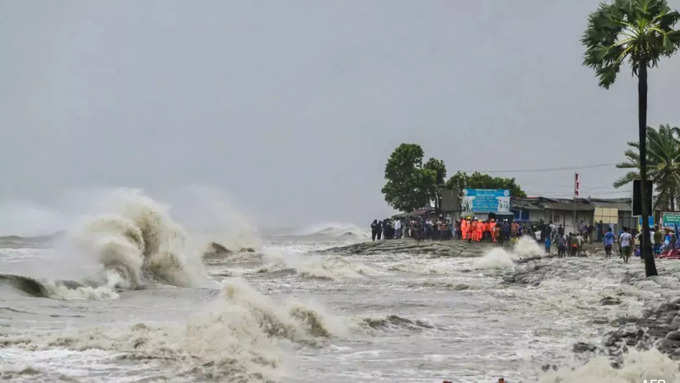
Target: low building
<point>527,210</point>
<point>615,211</point>
<point>572,213</point>
<point>569,213</point>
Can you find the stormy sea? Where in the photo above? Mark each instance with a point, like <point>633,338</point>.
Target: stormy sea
<point>128,294</point>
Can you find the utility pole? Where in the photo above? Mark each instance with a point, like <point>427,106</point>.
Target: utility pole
<point>577,186</point>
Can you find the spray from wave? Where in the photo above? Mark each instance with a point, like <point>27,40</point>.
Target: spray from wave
<point>239,336</point>
<point>334,268</point>
<point>210,217</point>
<point>131,242</point>
<point>500,258</point>
<point>333,231</point>
<point>137,243</point>
<point>319,267</point>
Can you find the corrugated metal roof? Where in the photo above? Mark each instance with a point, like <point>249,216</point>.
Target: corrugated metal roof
<point>579,204</point>
<point>526,203</point>
<point>570,206</point>
<point>618,203</point>
<point>566,204</point>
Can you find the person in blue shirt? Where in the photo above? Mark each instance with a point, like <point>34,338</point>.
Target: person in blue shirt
<point>609,240</point>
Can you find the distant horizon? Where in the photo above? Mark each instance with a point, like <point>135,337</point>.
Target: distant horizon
<point>262,228</point>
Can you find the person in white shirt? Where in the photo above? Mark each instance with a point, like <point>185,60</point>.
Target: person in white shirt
<point>397,228</point>
<point>626,241</point>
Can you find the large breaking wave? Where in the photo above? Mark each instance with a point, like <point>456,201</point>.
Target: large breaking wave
<point>131,243</point>
<point>237,335</point>
<point>139,241</point>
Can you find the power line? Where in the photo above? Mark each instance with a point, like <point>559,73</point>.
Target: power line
<point>581,194</point>
<point>604,188</point>
<point>582,191</point>
<point>537,170</point>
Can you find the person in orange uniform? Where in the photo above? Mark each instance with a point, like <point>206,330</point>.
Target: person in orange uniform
<point>475,229</point>
<point>464,228</point>
<point>480,231</point>
<point>484,229</point>
<point>472,231</point>
<point>514,229</point>
<point>492,229</point>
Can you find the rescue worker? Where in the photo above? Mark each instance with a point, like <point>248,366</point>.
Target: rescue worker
<point>483,228</point>
<point>472,234</point>
<point>464,223</point>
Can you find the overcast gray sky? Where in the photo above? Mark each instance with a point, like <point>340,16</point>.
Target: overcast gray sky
<point>292,107</point>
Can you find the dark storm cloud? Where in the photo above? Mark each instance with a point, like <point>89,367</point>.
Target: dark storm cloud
<point>293,107</point>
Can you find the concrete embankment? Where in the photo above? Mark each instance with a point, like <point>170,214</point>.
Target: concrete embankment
<point>450,248</point>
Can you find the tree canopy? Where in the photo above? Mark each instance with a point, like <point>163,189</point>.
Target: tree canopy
<point>638,30</point>
<point>663,164</point>
<point>439,169</point>
<point>410,185</point>
<point>477,180</point>
<point>641,31</point>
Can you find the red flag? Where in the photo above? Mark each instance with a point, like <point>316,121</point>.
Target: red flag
<point>577,184</point>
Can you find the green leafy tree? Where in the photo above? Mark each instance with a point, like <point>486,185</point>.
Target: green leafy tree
<point>641,31</point>
<point>409,185</point>
<point>439,169</point>
<point>457,181</point>
<point>663,164</point>
<point>477,180</point>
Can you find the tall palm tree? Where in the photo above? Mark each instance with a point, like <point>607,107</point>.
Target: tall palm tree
<point>642,32</point>
<point>663,164</point>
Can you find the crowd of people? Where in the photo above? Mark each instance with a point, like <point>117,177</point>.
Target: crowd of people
<point>555,236</point>
<point>473,229</point>
<point>662,240</point>
<point>551,236</point>
<point>441,228</point>
<point>437,228</point>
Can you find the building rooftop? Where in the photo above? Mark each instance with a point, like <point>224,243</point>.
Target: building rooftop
<point>578,204</point>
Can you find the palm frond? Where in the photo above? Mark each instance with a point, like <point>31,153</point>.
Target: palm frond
<point>641,30</point>
<point>629,177</point>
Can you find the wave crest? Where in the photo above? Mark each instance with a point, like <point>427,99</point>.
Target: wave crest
<point>139,242</point>
<point>500,258</point>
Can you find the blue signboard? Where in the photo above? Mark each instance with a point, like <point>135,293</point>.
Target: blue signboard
<point>486,200</point>
<point>649,218</point>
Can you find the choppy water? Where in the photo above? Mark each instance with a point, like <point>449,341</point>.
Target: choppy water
<point>286,313</point>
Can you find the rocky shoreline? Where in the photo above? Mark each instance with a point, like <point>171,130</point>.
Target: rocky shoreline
<point>657,327</point>
<point>409,246</point>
